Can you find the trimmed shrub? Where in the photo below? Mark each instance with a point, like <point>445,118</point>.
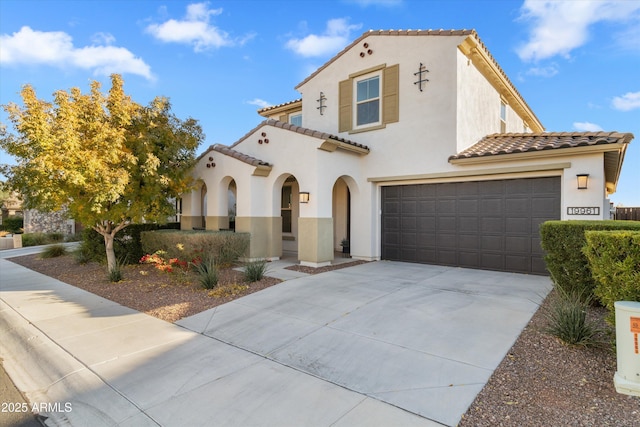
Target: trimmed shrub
<point>126,243</point>
<point>255,270</point>
<point>13,224</point>
<point>225,247</point>
<point>53,251</point>
<point>563,242</point>
<point>614,259</point>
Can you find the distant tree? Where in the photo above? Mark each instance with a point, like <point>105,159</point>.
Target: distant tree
<point>107,159</point>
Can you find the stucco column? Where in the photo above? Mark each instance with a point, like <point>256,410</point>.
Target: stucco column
<point>266,236</point>
<point>316,241</point>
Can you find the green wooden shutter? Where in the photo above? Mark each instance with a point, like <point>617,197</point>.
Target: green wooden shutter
<point>390,94</point>
<point>345,97</point>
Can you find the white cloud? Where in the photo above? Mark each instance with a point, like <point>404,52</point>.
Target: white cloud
<point>55,48</point>
<point>259,103</point>
<point>103,38</point>
<point>627,102</point>
<point>548,71</point>
<point>561,26</point>
<point>335,37</point>
<point>195,29</point>
<point>587,127</point>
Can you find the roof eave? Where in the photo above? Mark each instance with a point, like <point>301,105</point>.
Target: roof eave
<point>475,50</point>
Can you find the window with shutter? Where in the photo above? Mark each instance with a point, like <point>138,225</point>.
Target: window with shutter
<point>369,100</point>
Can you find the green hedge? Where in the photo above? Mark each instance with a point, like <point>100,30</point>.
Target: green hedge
<point>12,224</point>
<point>614,259</point>
<point>225,247</point>
<point>127,244</point>
<point>563,242</point>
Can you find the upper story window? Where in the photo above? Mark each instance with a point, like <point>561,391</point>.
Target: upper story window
<point>295,119</point>
<point>503,117</point>
<point>368,101</point>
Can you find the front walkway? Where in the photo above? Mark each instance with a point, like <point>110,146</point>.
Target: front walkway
<point>377,344</point>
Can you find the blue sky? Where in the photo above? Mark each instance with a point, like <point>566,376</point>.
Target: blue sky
<point>577,63</point>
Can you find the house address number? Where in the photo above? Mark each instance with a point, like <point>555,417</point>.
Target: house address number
<point>584,211</point>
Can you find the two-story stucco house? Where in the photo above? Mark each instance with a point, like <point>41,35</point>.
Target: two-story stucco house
<point>414,146</point>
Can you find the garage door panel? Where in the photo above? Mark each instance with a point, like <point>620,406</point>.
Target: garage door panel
<point>520,225</point>
<point>426,207</point>
<point>469,259</point>
<point>468,224</point>
<point>468,206</point>
<point>479,224</point>
<point>468,241</point>
<point>491,206</point>
<point>491,225</point>
<point>519,264</point>
<point>517,244</point>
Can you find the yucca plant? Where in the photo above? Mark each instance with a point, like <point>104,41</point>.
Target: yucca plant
<point>115,273</point>
<point>53,251</point>
<point>255,270</point>
<point>207,272</point>
<point>567,320</point>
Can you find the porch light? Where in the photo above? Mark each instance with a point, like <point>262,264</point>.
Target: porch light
<point>304,197</point>
<point>583,179</point>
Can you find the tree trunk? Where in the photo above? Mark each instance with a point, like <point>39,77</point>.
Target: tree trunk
<point>111,254</point>
<point>109,233</point>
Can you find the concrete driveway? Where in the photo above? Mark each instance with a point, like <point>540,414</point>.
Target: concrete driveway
<point>419,337</point>
<point>382,343</point>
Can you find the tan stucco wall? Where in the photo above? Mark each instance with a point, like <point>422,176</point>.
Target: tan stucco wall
<point>316,241</point>
<point>189,222</point>
<point>266,236</point>
<point>217,223</point>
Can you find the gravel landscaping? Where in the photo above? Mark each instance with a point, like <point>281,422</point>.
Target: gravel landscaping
<point>541,381</point>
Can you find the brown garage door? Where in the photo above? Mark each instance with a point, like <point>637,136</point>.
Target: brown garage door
<point>492,225</point>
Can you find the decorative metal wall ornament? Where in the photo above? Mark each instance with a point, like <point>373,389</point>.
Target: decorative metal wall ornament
<point>421,70</point>
<point>321,101</point>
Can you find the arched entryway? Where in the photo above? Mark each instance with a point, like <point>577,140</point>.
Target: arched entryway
<point>341,216</point>
<point>287,201</point>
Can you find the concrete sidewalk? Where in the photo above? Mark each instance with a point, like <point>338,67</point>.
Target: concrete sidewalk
<point>378,344</point>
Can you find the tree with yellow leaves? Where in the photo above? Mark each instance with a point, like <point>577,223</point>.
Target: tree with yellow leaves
<point>108,160</point>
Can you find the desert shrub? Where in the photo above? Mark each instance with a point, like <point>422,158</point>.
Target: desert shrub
<point>81,256</point>
<point>55,237</point>
<point>13,224</point>
<point>255,270</point>
<point>563,242</point>
<point>614,260</point>
<point>207,273</point>
<point>567,320</point>
<point>127,241</point>
<point>34,239</point>
<point>225,247</point>
<point>53,251</point>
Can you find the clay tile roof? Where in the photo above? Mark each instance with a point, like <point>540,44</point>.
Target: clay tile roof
<point>237,155</point>
<point>273,107</point>
<point>300,130</point>
<point>510,143</point>
<point>366,34</point>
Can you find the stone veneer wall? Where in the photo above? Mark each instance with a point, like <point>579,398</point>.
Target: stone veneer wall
<point>48,222</point>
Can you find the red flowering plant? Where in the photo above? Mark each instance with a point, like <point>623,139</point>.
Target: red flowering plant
<point>159,260</point>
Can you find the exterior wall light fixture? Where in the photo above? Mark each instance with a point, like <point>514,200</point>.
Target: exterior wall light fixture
<point>304,197</point>
<point>583,180</point>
